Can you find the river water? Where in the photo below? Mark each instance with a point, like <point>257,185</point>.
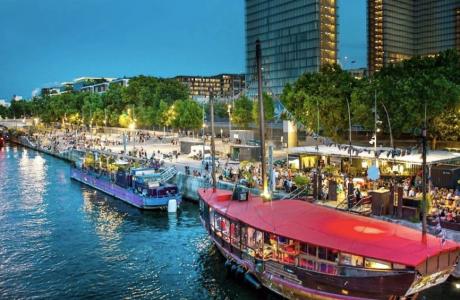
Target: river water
<point>61,240</point>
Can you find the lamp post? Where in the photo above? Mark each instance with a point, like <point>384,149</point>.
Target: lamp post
<point>349,129</point>
<point>424,153</point>
<point>213,146</point>
<point>229,111</point>
<point>132,127</point>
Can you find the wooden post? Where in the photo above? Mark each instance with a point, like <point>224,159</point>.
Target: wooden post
<point>400,201</point>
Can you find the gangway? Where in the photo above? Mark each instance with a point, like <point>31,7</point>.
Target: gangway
<point>168,174</point>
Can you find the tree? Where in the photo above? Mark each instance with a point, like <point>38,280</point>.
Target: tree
<point>321,97</point>
<point>242,112</point>
<point>269,109</point>
<point>3,111</point>
<point>188,114</point>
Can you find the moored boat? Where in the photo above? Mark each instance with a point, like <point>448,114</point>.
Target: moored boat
<point>304,251</point>
<point>144,188</point>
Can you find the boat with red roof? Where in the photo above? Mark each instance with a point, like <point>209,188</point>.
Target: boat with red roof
<point>300,250</point>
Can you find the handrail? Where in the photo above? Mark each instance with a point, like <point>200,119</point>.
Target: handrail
<point>295,193</point>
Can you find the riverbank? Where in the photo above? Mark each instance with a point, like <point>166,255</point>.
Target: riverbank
<point>187,184</point>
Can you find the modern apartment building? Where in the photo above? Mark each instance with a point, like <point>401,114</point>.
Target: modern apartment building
<point>222,85</point>
<point>103,87</point>
<point>296,37</point>
<point>400,29</point>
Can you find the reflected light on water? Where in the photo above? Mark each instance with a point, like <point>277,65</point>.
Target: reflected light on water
<point>32,170</point>
<point>107,222</point>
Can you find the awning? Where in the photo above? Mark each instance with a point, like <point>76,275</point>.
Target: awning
<point>383,153</point>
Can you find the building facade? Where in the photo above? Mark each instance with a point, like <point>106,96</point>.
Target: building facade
<point>296,37</point>
<point>400,29</point>
<point>222,85</point>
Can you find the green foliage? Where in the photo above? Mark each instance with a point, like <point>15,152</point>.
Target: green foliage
<point>147,97</point>
<point>301,181</point>
<point>403,88</point>
<point>242,112</point>
<point>3,111</point>
<point>321,96</point>
<point>269,109</point>
<point>188,114</point>
<point>330,169</point>
<point>221,109</point>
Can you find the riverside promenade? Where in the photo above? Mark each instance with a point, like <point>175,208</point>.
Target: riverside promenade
<point>147,145</point>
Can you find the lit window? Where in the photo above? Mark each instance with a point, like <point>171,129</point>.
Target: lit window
<point>377,264</point>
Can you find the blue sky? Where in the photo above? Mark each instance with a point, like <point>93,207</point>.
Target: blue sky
<point>43,42</point>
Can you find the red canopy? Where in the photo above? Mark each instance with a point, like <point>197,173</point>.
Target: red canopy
<point>330,228</point>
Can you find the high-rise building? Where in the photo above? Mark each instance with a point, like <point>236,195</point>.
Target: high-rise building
<point>400,29</point>
<point>296,37</point>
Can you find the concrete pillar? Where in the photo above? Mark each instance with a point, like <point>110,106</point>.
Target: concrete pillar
<point>290,133</point>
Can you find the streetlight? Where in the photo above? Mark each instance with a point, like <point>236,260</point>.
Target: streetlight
<point>229,111</point>
<point>132,127</point>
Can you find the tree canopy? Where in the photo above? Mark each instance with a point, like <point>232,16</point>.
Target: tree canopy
<point>242,112</point>
<point>402,88</point>
<point>147,101</point>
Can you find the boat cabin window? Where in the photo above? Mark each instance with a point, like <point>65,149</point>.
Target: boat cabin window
<point>399,267</point>
<point>255,242</point>
<point>307,257</point>
<point>328,254</point>
<point>351,260</point>
<point>270,246</point>
<point>212,218</point>
<point>222,227</point>
<point>371,263</point>
<point>287,250</point>
<point>235,232</point>
<point>308,249</point>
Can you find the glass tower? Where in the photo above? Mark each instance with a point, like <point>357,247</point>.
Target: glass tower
<point>400,29</point>
<point>296,37</point>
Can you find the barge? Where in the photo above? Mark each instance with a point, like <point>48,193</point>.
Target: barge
<point>303,251</point>
<point>144,188</point>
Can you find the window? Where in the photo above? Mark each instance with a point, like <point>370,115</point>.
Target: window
<point>308,264</point>
<point>235,234</point>
<point>399,267</point>
<point>332,255</point>
<point>322,253</point>
<point>254,242</point>
<point>212,218</point>
<point>371,263</point>
<point>351,260</point>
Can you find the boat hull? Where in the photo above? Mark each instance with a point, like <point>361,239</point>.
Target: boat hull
<point>294,283</point>
<point>110,188</point>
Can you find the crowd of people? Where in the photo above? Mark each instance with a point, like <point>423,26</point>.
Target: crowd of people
<point>445,204</point>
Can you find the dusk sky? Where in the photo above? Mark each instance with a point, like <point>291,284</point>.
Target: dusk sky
<point>44,42</point>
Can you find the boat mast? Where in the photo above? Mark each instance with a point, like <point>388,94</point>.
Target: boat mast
<point>213,146</point>
<point>424,150</point>
<point>265,193</point>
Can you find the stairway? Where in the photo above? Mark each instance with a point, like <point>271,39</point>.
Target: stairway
<point>167,174</point>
